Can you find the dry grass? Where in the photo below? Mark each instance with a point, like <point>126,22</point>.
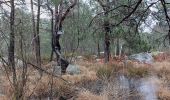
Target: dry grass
<point>4,97</point>
<point>162,70</point>
<point>163,94</point>
<point>87,95</point>
<point>86,74</point>
<point>137,72</point>
<point>90,72</point>
<point>104,72</point>
<point>160,65</point>
<point>59,87</point>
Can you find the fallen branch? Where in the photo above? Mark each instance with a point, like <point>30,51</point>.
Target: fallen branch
<point>46,72</point>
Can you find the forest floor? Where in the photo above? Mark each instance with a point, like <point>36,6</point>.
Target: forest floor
<point>97,81</point>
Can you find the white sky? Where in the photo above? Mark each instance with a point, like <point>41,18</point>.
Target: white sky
<point>150,22</point>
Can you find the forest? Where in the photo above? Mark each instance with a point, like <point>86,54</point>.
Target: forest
<point>85,50</point>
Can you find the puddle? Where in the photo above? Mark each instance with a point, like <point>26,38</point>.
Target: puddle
<point>142,89</point>
<point>148,89</point>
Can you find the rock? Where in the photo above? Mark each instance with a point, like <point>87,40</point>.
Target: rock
<point>79,57</point>
<point>18,62</point>
<point>98,60</point>
<point>142,57</point>
<point>102,54</point>
<point>94,56</point>
<point>73,69</point>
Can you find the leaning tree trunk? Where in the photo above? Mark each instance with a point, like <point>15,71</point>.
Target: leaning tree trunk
<point>59,18</point>
<point>57,49</point>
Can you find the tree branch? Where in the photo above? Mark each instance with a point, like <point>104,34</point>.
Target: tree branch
<point>167,18</point>
<point>126,17</point>
<point>68,10</point>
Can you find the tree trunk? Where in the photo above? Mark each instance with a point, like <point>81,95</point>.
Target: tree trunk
<point>52,30</point>
<point>117,46</point>
<point>120,51</point>
<point>107,39</point>
<point>56,42</point>
<point>59,18</point>
<point>37,39</point>
<point>11,49</point>
<point>33,28</point>
<point>54,33</point>
<point>98,49</point>
<point>107,32</point>
<point>60,60</point>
